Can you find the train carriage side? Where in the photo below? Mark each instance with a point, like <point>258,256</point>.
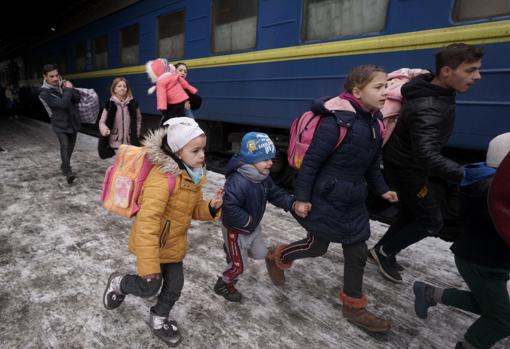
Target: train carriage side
<point>260,64</point>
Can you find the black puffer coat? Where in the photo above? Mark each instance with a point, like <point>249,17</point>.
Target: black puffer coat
<point>334,180</point>
<point>64,107</point>
<point>425,124</point>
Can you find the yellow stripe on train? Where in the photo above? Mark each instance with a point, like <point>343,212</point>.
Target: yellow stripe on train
<point>484,33</point>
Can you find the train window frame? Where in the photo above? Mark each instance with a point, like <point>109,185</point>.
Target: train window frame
<point>456,6</point>
<point>158,34</point>
<point>79,68</point>
<point>122,60</point>
<point>214,21</point>
<point>104,64</point>
<point>304,36</point>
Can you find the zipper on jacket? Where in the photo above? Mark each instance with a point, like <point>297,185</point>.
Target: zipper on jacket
<point>123,140</point>
<point>164,234</point>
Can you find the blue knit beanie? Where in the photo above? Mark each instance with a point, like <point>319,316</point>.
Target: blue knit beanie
<point>257,146</point>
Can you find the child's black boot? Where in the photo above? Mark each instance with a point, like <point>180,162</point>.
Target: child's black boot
<point>165,329</point>
<point>424,297</point>
<point>228,291</point>
<point>113,295</point>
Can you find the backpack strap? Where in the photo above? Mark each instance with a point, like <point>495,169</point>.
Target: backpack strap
<point>171,183</point>
<point>343,126</point>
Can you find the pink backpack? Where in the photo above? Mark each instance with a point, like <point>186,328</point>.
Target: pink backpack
<point>124,180</point>
<point>303,129</point>
<point>391,109</point>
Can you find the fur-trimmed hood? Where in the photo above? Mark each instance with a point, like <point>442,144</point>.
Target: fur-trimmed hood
<point>153,142</point>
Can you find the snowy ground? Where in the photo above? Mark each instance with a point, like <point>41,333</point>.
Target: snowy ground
<point>58,246</point>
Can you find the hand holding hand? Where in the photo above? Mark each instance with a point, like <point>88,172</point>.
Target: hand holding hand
<point>391,196</point>
<point>217,199</point>
<point>302,208</point>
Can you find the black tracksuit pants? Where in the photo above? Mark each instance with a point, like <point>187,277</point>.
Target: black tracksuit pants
<point>172,277</point>
<point>355,257</point>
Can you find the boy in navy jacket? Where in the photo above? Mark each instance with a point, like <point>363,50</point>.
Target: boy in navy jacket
<point>247,189</point>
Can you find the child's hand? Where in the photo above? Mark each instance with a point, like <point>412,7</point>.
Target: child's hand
<point>302,208</point>
<point>217,199</point>
<point>391,196</point>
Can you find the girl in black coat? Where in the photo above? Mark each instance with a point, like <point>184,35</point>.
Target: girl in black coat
<point>332,185</point>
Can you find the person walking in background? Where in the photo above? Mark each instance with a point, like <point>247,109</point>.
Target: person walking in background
<point>171,89</point>
<point>413,163</point>
<point>121,120</point>
<point>12,98</point>
<point>332,182</point>
<point>159,232</point>
<point>60,100</point>
<point>481,255</point>
<point>247,189</point>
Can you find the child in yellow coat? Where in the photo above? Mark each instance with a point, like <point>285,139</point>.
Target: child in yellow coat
<point>159,233</point>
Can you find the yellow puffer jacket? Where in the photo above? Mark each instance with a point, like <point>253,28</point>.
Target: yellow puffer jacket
<point>159,232</point>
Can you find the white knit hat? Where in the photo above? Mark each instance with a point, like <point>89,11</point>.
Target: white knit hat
<point>180,131</point>
<point>498,148</point>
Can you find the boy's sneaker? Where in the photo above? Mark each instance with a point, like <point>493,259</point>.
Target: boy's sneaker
<point>113,296</point>
<point>423,298</point>
<point>165,329</point>
<point>228,291</point>
<point>386,266</point>
<point>393,259</point>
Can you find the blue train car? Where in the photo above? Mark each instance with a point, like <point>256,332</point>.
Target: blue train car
<point>259,63</point>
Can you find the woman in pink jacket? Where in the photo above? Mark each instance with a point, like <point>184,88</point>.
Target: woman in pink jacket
<point>121,120</point>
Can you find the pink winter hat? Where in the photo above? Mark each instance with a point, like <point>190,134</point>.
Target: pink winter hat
<point>156,68</point>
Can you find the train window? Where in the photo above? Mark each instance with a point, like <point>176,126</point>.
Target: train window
<point>469,10</point>
<point>328,19</point>
<point>80,57</point>
<point>129,46</point>
<point>234,25</point>
<point>171,35</point>
<point>101,52</point>
<point>62,61</point>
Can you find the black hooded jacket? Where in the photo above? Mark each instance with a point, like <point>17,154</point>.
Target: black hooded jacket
<point>425,124</point>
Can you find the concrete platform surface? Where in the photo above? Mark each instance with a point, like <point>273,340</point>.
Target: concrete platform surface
<point>58,246</point>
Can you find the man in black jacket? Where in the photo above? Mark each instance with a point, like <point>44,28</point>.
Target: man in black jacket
<point>60,100</point>
<point>413,161</point>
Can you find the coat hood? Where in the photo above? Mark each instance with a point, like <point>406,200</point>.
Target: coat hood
<point>152,143</point>
<point>47,86</point>
<point>233,164</point>
<point>421,86</point>
<point>476,172</point>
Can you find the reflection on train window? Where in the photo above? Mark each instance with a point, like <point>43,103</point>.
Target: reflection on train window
<point>468,10</point>
<point>328,19</point>
<point>171,35</point>
<point>101,52</point>
<point>129,47</point>
<point>62,61</point>
<point>234,25</point>
<point>80,57</point>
